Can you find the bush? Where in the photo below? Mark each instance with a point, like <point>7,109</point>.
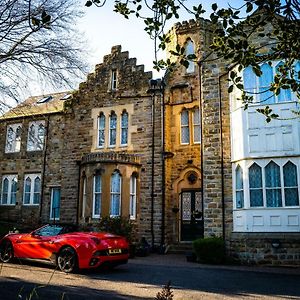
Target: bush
<point>209,250</point>
<point>117,225</point>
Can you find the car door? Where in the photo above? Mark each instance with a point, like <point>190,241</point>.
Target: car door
<point>36,245</point>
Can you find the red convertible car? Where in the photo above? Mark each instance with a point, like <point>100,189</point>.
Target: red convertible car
<point>62,246</point>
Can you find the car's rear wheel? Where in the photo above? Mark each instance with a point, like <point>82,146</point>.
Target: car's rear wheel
<point>6,251</point>
<point>67,260</point>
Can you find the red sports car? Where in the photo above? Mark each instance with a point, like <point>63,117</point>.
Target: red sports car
<point>62,246</point>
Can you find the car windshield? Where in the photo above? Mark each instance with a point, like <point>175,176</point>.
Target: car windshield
<point>49,230</point>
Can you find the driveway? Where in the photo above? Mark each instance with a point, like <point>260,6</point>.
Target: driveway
<point>143,278</point>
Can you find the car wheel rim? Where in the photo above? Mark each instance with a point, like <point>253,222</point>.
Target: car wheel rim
<point>6,252</point>
<point>67,261</point>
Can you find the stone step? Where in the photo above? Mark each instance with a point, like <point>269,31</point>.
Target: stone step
<point>180,248</point>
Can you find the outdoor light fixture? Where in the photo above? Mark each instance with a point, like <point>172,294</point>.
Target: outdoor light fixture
<point>275,244</point>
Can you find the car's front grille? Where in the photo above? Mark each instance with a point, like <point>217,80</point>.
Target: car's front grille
<point>106,252</point>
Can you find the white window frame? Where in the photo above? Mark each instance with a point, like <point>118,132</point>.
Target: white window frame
<point>182,126</point>
<point>38,143</point>
<point>122,128</point>
<point>16,140</point>
<point>190,49</point>
<point>32,190</point>
<point>84,196</point>
<point>94,196</point>
<point>256,88</point>
<point>10,179</point>
<point>51,203</point>
<point>101,129</point>
<point>133,197</point>
<point>112,193</point>
<point>281,162</point>
<point>196,125</point>
<point>110,129</point>
<point>114,80</point>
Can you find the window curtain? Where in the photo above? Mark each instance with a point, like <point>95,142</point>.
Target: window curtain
<point>273,185</point>
<point>290,180</point>
<point>115,194</point>
<point>239,187</point>
<point>255,186</point>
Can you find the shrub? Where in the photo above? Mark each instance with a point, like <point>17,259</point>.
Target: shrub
<point>209,250</point>
<point>166,293</point>
<point>117,225</point>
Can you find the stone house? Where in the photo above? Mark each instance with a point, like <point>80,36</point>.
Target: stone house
<point>181,158</point>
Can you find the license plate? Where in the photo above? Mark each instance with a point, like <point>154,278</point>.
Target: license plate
<point>114,251</point>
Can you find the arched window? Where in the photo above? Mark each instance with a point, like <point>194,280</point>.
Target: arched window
<point>197,125</point>
<point>291,193</point>
<point>124,128</point>
<point>101,130</point>
<point>115,194</point>
<point>239,187</point>
<point>132,202</point>
<point>112,129</point>
<point>83,197</point>
<point>185,129</point>
<point>37,190</point>
<point>273,185</point>
<point>255,186</point>
<point>40,137</point>
<point>13,138</point>
<point>285,94</point>
<point>5,185</point>
<point>189,50</point>
<point>27,190</point>
<point>36,135</point>
<point>266,96</point>
<point>97,196</point>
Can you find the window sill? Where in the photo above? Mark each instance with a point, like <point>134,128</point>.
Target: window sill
<point>10,205</point>
<point>31,204</point>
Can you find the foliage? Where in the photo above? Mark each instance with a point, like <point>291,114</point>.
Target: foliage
<point>209,250</point>
<point>117,225</point>
<point>166,293</point>
<point>235,31</point>
<point>38,43</point>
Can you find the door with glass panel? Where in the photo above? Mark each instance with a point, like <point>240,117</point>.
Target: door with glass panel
<point>191,215</point>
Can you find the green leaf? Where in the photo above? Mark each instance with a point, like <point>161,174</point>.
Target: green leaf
<point>214,6</point>
<point>230,89</point>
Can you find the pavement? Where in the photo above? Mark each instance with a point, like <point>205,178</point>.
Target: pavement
<point>179,260</point>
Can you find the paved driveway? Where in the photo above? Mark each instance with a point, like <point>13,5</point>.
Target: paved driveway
<point>142,278</point>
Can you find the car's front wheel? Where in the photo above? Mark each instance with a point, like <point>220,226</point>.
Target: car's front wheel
<point>67,260</point>
<point>6,251</point>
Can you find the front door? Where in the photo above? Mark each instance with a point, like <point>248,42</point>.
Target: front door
<point>191,215</point>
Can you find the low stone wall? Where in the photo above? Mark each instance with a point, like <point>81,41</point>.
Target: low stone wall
<point>265,248</point>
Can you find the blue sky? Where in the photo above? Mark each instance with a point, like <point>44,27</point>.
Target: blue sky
<point>104,28</point>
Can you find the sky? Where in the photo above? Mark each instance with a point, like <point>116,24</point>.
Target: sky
<point>104,28</point>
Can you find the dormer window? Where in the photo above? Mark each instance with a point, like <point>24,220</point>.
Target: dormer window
<point>113,81</point>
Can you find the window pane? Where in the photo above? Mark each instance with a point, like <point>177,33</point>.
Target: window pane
<point>13,193</point>
<point>27,190</point>
<point>249,80</point>
<point>115,194</point>
<point>37,190</point>
<point>115,205</point>
<point>285,94</point>
<point>256,198</point>
<point>184,118</point>
<point>273,198</point>
<point>124,128</point>
<point>101,130</point>
<point>239,199</point>
<point>190,50</point>
<point>55,212</point>
<point>185,135</point>
<point>113,127</point>
<point>255,185</point>
<point>97,183</point>
<point>272,175</point>
<point>291,197</point>
<point>40,137</point>
<point>239,178</point>
<point>97,204</point>
<point>266,96</point>
<point>132,204</point>
<point>5,191</point>
<point>290,175</point>
<point>197,126</point>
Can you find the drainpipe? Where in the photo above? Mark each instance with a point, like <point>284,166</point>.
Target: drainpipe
<point>201,138</point>
<point>222,156</point>
<point>44,167</point>
<point>163,184</point>
<point>78,162</point>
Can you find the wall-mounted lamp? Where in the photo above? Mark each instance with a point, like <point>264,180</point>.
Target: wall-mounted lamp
<point>275,244</point>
